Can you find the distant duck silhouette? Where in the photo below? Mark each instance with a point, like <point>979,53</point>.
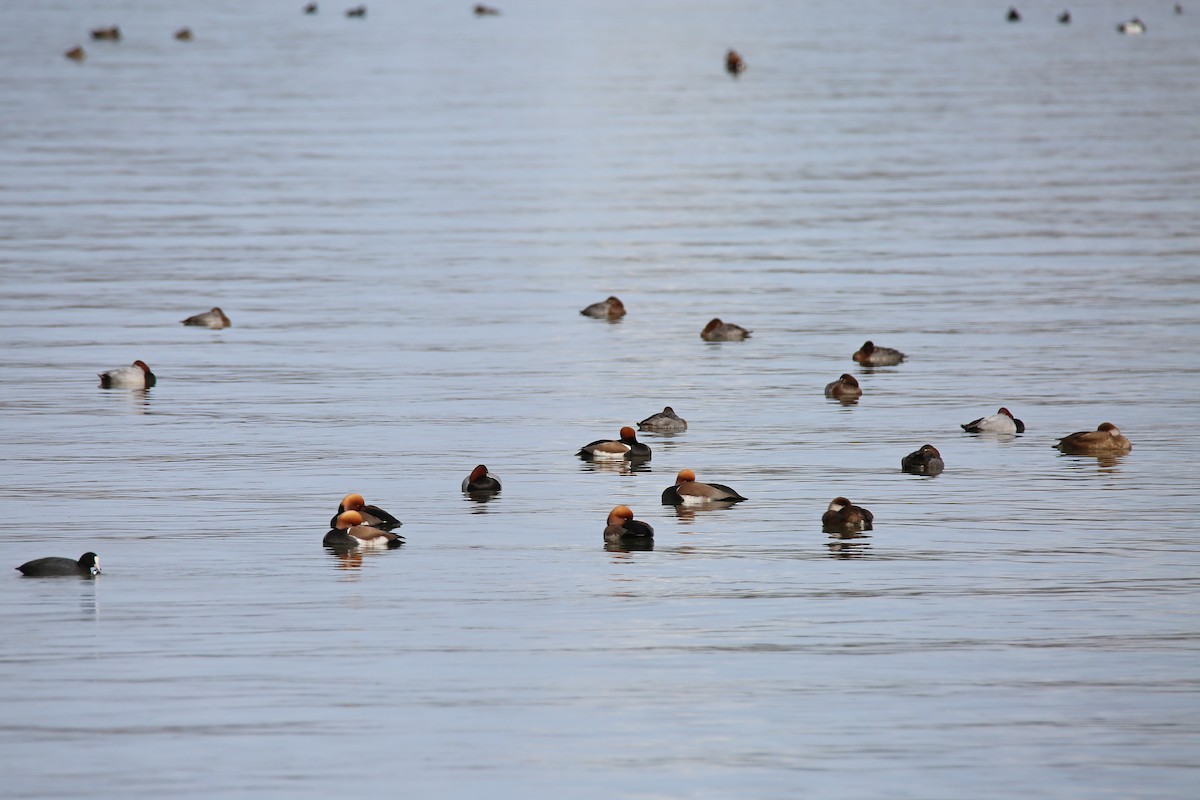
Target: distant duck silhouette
<point>76,53</point>
<point>734,64</point>
<point>311,8</point>
<point>1133,27</point>
<point>718,331</point>
<point>357,11</point>
<point>612,308</point>
<point>486,11</point>
<point>1064,18</point>
<point>666,421</point>
<point>112,34</point>
<point>1178,8</point>
<point>87,566</point>
<point>1013,15</point>
<point>926,461</point>
<point>871,356</point>
<point>844,388</point>
<point>184,34</point>
<point>214,319</point>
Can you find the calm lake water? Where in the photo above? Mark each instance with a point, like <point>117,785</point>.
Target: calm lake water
<point>403,214</point>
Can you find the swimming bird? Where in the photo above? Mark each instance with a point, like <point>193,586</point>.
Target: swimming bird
<point>844,388</point>
<point>622,526</point>
<point>1001,422</point>
<point>612,308</point>
<point>184,34</point>
<point>1107,439</point>
<point>871,356</point>
<point>1064,18</point>
<point>688,491</point>
<point>486,11</point>
<point>926,461</point>
<point>214,319</point>
<point>357,11</point>
<point>1013,15</point>
<point>371,515</point>
<point>111,34</point>
<point>717,331</point>
<point>349,531</point>
<point>76,53</point>
<point>137,376</point>
<point>844,516</point>
<point>666,421</point>
<point>480,481</point>
<point>310,8</point>
<point>1133,27</point>
<point>627,446</point>
<point>734,64</point>
<point>54,566</point>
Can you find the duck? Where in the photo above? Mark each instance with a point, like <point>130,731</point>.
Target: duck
<point>626,446</point>
<point>111,34</point>
<point>214,319</point>
<point>371,515</point>
<point>688,491</point>
<point>734,64</point>
<point>310,8</point>
<point>184,34</point>
<point>871,356</point>
<point>76,53</point>
<point>1013,15</point>
<point>926,461</point>
<point>137,376</point>
<point>1001,422</point>
<point>349,531</point>
<point>717,331</point>
<point>87,566</point>
<point>622,526</point>
<point>486,11</point>
<point>845,516</point>
<point>666,421</point>
<point>1133,27</point>
<point>1064,18</point>
<point>612,308</point>
<point>1107,439</point>
<point>357,11</point>
<point>480,481</point>
<point>844,388</point>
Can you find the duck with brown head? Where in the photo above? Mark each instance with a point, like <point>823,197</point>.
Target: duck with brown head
<point>622,527</point>
<point>626,447</point>
<point>480,481</point>
<point>1001,422</point>
<point>371,515</point>
<point>844,388</point>
<point>718,331</point>
<point>843,515</point>
<point>137,376</point>
<point>214,319</point>
<point>610,309</point>
<point>871,356</point>
<point>926,461</point>
<point>348,530</point>
<point>1107,439</point>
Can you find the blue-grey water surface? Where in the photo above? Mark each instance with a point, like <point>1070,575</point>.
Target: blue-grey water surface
<point>403,214</point>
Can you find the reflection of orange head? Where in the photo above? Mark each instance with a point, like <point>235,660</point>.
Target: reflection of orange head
<point>477,473</point>
<point>628,433</point>
<point>684,476</point>
<point>353,502</point>
<point>348,519</point>
<point>619,514</point>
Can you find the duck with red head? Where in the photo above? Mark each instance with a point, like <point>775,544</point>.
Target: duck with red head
<point>480,481</point>
<point>718,331</point>
<point>137,376</point>
<point>374,516</point>
<point>626,447</point>
<point>926,461</point>
<point>348,530</point>
<point>734,63</point>
<point>844,388</point>
<point>1105,440</point>
<point>622,527</point>
<point>845,516</point>
<point>688,491</point>
<point>871,356</point>
<point>610,309</point>
<point>1001,422</point>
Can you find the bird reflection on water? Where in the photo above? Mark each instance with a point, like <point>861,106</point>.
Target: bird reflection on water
<point>849,544</point>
